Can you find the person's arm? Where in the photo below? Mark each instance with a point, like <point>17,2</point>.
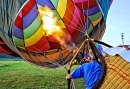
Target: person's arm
<point>78,73</point>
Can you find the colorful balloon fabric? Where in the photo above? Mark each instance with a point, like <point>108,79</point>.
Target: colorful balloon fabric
<point>99,47</point>
<point>4,49</point>
<point>8,12</point>
<point>75,18</point>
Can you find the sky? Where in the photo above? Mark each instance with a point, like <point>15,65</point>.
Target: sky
<point>118,21</point>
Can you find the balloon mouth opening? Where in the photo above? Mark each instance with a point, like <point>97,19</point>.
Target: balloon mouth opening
<point>46,23</point>
<point>53,27</point>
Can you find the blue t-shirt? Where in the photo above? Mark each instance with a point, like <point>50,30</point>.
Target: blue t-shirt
<point>90,72</point>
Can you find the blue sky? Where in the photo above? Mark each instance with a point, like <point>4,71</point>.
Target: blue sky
<point>118,21</point>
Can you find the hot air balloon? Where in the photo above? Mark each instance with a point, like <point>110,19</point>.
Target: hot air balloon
<point>48,32</point>
<point>44,33</point>
<point>6,25</point>
<point>4,49</point>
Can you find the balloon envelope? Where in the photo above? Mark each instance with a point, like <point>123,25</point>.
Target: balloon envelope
<point>75,18</point>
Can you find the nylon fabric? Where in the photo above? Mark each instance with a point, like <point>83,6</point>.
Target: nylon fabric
<point>21,28</point>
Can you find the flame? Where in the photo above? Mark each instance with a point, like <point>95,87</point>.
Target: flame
<point>52,28</point>
<point>50,24</point>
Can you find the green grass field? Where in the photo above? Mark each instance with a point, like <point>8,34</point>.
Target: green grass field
<point>22,75</point>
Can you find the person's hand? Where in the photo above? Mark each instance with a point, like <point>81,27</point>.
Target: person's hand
<point>68,76</point>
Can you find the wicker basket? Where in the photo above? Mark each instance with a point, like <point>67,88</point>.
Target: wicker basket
<point>117,74</point>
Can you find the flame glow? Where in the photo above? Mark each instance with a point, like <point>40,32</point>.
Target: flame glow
<point>50,24</point>
<point>52,28</point>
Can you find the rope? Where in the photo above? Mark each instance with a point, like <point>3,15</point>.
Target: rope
<point>102,62</point>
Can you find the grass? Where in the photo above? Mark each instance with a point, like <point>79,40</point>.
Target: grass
<point>22,75</point>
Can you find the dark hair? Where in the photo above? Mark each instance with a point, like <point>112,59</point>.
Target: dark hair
<point>79,56</point>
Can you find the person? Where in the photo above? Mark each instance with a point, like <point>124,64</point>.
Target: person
<point>90,71</point>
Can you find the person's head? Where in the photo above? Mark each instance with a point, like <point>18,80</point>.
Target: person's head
<point>90,57</point>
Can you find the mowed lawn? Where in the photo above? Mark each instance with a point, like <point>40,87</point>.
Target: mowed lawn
<point>23,75</point>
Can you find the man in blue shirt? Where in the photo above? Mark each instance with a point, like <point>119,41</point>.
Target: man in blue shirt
<point>89,71</point>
